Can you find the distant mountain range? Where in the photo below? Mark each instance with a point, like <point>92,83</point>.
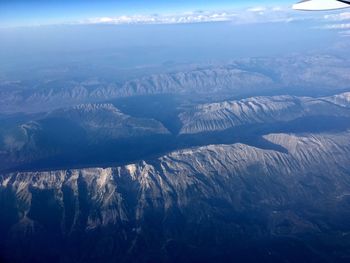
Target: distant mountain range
<point>246,77</point>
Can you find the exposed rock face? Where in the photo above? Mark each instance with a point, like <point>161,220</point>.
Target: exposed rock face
<point>221,116</point>
<point>210,203</point>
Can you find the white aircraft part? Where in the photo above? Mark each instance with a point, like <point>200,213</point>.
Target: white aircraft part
<point>319,5</point>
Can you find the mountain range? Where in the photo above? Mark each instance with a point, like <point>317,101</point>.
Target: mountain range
<point>217,203</point>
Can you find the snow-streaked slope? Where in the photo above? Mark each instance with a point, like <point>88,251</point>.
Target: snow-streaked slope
<point>185,196</point>
<point>224,115</point>
<point>341,99</point>
<point>212,171</point>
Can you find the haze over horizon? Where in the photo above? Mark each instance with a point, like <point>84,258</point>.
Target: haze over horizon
<point>41,12</point>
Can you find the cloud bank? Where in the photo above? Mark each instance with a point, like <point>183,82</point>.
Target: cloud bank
<point>338,21</point>
<point>257,14</point>
<point>162,19</point>
<point>251,15</point>
<point>338,17</point>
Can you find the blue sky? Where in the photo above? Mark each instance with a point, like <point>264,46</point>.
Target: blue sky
<point>24,12</point>
<point>161,31</point>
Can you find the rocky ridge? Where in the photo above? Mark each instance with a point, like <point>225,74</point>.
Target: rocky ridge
<point>247,192</point>
<point>229,114</point>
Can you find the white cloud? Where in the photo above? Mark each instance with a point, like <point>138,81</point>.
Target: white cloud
<point>338,17</point>
<point>257,9</point>
<point>277,8</point>
<point>199,17</point>
<point>255,14</point>
<point>251,15</point>
<point>338,26</point>
<point>341,27</point>
<point>345,33</point>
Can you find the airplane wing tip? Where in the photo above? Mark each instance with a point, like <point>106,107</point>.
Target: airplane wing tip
<point>320,5</point>
<point>296,7</point>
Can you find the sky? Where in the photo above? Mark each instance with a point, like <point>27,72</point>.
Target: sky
<point>43,12</point>
<point>134,34</point>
